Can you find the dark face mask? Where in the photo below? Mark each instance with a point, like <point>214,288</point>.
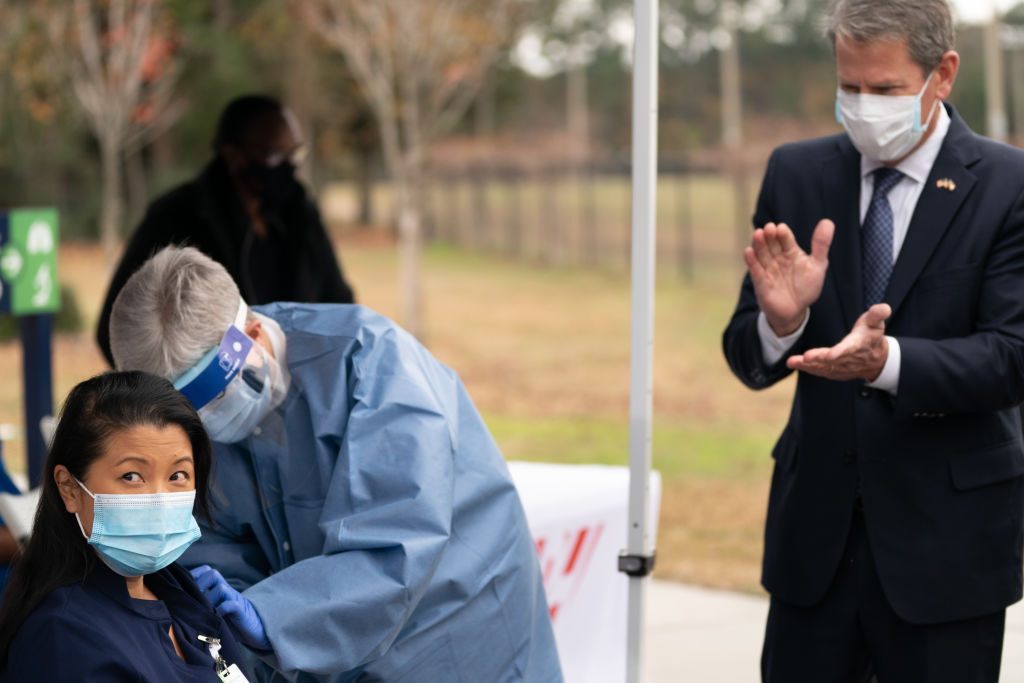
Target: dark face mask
<point>274,185</point>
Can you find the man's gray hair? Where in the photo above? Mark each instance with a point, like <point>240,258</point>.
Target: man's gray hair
<point>925,25</point>
<point>171,312</point>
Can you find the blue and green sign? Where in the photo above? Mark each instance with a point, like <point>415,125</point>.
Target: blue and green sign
<point>28,262</point>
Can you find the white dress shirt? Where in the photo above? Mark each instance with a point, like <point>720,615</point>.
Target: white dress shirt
<point>903,200</point>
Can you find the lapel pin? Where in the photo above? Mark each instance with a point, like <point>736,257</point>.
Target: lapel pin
<point>945,184</point>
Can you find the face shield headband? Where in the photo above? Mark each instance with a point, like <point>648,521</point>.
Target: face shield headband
<point>205,380</point>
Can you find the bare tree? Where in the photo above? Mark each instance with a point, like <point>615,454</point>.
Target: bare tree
<point>159,108</point>
<point>108,51</point>
<point>570,33</point>
<point>9,20</point>
<point>419,64</point>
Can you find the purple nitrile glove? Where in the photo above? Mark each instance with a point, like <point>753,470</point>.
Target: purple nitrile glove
<point>233,607</point>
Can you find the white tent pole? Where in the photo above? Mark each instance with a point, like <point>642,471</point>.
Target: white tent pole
<point>638,558</point>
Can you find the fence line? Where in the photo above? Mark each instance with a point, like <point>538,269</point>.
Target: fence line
<point>566,216</point>
<point>563,216</point>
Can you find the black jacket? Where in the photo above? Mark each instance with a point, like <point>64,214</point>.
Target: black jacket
<point>939,464</point>
<point>207,214</point>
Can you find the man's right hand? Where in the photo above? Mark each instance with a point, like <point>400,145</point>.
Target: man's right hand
<point>787,280</point>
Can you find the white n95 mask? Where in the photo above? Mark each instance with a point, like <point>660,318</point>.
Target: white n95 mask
<point>883,127</point>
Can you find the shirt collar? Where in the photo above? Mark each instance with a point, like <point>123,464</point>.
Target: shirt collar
<point>919,164</point>
<point>177,592</point>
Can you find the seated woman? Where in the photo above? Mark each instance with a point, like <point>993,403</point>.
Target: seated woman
<point>96,595</point>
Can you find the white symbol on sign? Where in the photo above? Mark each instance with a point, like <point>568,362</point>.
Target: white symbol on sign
<point>44,286</point>
<point>11,263</point>
<point>40,238</point>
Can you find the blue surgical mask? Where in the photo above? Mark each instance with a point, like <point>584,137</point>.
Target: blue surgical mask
<point>141,533</point>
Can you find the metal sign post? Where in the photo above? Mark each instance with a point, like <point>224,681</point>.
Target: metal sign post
<point>29,290</point>
<point>638,559</point>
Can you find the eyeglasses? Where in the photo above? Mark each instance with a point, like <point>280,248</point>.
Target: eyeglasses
<point>296,155</point>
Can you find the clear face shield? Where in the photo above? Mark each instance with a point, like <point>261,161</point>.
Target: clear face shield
<point>235,385</point>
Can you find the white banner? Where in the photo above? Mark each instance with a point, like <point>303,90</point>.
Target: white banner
<point>578,518</point>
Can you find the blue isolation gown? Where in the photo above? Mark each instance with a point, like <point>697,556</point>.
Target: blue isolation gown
<point>371,519</point>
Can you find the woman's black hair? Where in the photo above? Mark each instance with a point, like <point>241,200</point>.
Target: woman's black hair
<point>57,554</point>
<point>238,116</point>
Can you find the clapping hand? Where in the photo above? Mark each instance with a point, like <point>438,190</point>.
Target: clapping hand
<point>787,280</point>
<point>859,355</point>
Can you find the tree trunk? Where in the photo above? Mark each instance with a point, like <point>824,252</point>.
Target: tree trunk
<point>732,121</point>
<point>484,111</point>
<point>300,88</point>
<point>411,209</point>
<point>995,86</point>
<point>135,185</point>
<point>577,112</point>
<point>164,153</point>
<point>409,247</point>
<point>1017,66</point>
<point>3,93</point>
<point>365,185</point>
<point>110,219</point>
<point>223,14</point>
<point>578,124</point>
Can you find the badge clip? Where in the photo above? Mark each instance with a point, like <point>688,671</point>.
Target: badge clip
<point>214,644</point>
<point>228,673</point>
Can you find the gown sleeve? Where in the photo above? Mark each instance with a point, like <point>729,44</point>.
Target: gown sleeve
<point>387,515</point>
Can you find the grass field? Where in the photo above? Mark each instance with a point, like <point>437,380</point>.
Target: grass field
<point>545,354</point>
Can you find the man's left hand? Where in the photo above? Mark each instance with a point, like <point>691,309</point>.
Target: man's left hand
<point>860,355</point>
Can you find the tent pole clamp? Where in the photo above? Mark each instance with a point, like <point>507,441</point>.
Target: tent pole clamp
<point>636,565</point>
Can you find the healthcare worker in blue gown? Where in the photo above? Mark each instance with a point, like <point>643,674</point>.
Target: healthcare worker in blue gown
<point>96,596</point>
<point>365,525</point>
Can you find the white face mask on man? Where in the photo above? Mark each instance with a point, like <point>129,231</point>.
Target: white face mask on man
<point>883,127</point>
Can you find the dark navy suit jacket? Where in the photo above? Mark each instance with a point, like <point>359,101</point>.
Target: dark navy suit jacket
<point>940,464</point>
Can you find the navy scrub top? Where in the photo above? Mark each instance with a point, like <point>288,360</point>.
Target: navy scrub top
<point>96,632</point>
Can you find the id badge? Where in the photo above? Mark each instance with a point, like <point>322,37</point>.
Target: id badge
<point>232,674</point>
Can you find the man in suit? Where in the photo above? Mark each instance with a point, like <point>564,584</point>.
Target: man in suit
<point>887,269</point>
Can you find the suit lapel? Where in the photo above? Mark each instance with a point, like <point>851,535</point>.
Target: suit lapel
<point>935,209</point>
<point>841,193</point>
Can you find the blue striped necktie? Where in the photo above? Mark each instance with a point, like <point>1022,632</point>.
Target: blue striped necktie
<point>876,237</point>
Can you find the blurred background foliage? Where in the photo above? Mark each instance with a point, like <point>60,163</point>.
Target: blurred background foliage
<point>219,49</point>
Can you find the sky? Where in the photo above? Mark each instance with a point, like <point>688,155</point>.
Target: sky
<point>529,55</point>
<point>977,11</point>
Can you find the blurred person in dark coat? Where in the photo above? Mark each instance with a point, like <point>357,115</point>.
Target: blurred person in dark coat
<point>247,211</point>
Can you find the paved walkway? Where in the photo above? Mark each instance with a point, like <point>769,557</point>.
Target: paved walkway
<point>708,636</point>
